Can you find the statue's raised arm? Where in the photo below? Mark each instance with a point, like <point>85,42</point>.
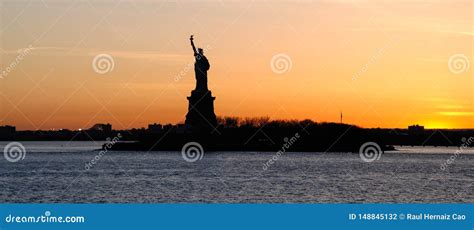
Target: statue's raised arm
<point>192,44</point>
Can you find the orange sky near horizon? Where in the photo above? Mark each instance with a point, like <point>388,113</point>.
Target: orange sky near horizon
<point>382,63</point>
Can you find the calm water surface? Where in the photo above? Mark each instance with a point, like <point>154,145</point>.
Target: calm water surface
<point>55,172</point>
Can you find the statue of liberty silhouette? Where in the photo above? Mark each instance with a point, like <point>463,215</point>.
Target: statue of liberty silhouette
<point>201,114</point>
<point>201,66</point>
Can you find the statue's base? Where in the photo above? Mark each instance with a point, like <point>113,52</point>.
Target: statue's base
<point>201,114</point>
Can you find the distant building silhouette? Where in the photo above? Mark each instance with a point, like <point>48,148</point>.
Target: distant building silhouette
<point>7,130</point>
<point>416,129</point>
<point>155,128</point>
<point>101,127</point>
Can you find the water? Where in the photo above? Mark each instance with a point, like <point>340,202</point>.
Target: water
<point>55,172</point>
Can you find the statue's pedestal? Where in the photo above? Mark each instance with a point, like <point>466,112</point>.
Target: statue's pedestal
<point>201,111</point>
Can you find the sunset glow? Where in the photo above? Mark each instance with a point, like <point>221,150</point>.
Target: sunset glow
<point>382,63</point>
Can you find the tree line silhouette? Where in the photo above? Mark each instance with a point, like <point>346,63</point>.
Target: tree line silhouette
<point>256,134</point>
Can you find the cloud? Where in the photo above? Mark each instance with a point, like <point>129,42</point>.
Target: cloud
<point>469,33</point>
<point>456,113</point>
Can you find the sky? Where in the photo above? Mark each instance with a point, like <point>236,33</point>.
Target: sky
<point>381,63</point>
